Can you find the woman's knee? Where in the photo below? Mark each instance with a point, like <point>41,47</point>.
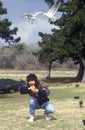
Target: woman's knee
<point>32,102</point>
<point>50,108</point>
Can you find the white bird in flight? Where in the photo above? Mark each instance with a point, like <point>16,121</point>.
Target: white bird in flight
<point>31,17</point>
<point>51,12</point>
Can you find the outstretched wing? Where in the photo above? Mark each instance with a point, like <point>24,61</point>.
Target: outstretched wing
<point>26,16</point>
<point>37,13</point>
<point>54,7</point>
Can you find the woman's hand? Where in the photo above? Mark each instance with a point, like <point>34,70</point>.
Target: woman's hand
<point>33,89</point>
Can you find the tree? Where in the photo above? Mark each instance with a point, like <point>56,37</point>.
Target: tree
<point>6,33</point>
<point>18,56</point>
<point>48,53</point>
<point>51,47</point>
<point>49,2</point>
<point>45,54</point>
<point>70,39</point>
<point>72,25</point>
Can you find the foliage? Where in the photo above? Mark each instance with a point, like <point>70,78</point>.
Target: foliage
<point>18,57</point>
<point>49,2</point>
<point>69,40</point>
<point>72,25</point>
<point>6,33</point>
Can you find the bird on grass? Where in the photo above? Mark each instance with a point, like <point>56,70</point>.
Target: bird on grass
<point>76,97</point>
<point>77,85</point>
<point>31,17</point>
<point>81,103</point>
<point>51,12</point>
<point>83,122</point>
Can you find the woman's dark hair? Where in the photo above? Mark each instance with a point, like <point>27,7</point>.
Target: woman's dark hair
<point>31,77</point>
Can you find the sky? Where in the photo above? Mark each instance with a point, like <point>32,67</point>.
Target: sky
<point>27,31</point>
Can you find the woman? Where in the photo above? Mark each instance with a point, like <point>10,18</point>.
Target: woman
<point>39,97</point>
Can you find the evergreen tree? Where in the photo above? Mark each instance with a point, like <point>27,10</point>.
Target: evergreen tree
<point>72,25</point>
<point>6,33</point>
<point>69,40</point>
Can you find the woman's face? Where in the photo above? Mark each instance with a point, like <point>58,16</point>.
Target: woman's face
<point>31,83</point>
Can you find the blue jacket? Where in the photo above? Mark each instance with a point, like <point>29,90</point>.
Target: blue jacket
<point>41,96</point>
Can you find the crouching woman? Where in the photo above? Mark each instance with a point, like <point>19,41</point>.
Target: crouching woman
<point>38,92</point>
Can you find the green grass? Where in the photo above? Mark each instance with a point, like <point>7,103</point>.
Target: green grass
<point>14,111</point>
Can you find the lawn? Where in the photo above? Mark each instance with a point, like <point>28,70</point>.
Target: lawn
<point>14,112</point>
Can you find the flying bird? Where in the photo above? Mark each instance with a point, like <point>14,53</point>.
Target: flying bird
<point>31,17</point>
<point>51,12</point>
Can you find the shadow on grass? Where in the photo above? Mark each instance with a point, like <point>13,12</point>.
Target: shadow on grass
<point>4,96</point>
<point>41,117</point>
<point>62,80</point>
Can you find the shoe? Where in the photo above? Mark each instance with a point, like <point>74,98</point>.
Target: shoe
<point>47,116</point>
<point>31,119</point>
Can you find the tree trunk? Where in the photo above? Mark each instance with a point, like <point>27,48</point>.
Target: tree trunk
<point>49,70</point>
<point>81,73</point>
<point>83,78</point>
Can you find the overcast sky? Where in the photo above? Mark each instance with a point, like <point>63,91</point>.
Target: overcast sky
<point>27,31</point>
